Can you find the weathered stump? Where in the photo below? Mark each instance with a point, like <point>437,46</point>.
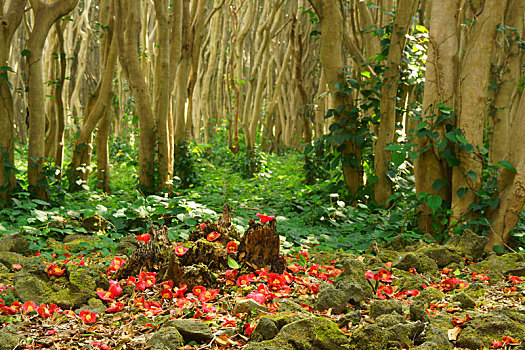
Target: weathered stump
<point>259,247</point>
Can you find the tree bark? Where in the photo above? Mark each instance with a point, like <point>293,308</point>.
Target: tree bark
<point>401,26</point>
<point>45,15</point>
<point>10,21</point>
<point>473,101</point>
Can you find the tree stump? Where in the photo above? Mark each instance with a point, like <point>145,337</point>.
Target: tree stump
<point>258,248</point>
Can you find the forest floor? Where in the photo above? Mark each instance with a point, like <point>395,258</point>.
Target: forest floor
<point>57,289</point>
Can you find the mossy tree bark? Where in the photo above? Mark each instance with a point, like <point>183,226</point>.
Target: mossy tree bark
<point>332,26</point>
<point>45,15</point>
<point>439,93</point>
<point>11,13</point>
<point>401,26</point>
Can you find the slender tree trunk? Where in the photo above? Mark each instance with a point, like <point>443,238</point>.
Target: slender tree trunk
<point>11,15</point>
<point>406,9</point>
<point>103,174</point>
<point>473,93</point>
<point>128,29</point>
<point>330,15</point>
<point>45,15</point>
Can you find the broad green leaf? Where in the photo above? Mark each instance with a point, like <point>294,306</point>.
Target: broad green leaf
<point>232,263</point>
<point>507,165</point>
<point>434,202</point>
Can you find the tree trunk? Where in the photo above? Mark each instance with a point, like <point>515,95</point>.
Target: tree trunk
<point>440,89</point>
<point>472,116</point>
<point>11,19</point>
<point>401,26</point>
<point>45,15</point>
<point>128,29</point>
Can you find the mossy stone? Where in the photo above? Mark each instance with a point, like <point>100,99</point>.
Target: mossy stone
<point>15,243</point>
<point>496,267</point>
<point>468,244</point>
<point>9,338</point>
<point>429,295</point>
<point>442,255</point>
<point>370,336</point>
<point>464,300</point>
<point>8,259</point>
<point>421,262</point>
<point>389,320</point>
<point>382,307</point>
<point>166,338</point>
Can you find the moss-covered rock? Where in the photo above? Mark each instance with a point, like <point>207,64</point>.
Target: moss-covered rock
<point>266,329</point>
<point>330,297</point>
<point>9,339</point>
<point>8,259</point>
<point>429,295</point>
<point>71,290</point>
<point>389,320</point>
<point>382,307</point>
<point>313,333</point>
<point>499,266</point>
<point>386,255</point>
<point>421,262</point>
<point>464,300</point>
<point>442,255</point>
<point>15,243</point>
<point>405,280</point>
<point>191,330</point>
<point>469,245</point>
<point>166,338</point>
<point>370,336</point>
<point>93,305</point>
<point>76,243</point>
<point>479,332</point>
<point>96,224</point>
<point>127,244</point>
<point>289,306</point>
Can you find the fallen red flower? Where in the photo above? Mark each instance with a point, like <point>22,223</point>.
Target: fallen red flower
<point>212,236</point>
<point>87,316</point>
<point>144,238</point>
<point>265,218</point>
<point>55,270</point>
<point>231,247</point>
<point>180,250</point>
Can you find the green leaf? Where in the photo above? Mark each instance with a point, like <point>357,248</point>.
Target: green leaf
<point>439,184</point>
<point>434,202</point>
<point>498,249</point>
<point>232,263</point>
<point>462,191</point>
<point>302,260</point>
<point>507,165</point>
<point>472,175</point>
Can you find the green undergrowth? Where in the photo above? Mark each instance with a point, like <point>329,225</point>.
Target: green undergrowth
<point>317,215</point>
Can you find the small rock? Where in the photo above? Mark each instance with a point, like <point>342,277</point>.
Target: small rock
<point>8,259</point>
<point>191,330</point>
<point>15,243</point>
<point>382,307</point>
<point>247,305</point>
<point>498,266</point>
<point>166,338</point>
<point>370,336</point>
<point>429,295</point>
<point>266,329</point>
<point>352,318</point>
<point>442,255</point>
<point>127,244</point>
<point>389,320</point>
<point>289,306</point>
<point>468,244</point>
<point>9,338</point>
<point>419,261</point>
<point>330,297</point>
<point>465,301</point>
<point>141,320</point>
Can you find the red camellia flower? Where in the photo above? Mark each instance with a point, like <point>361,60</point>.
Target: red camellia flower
<point>249,329</point>
<point>115,265</point>
<point>265,218</point>
<point>198,290</point>
<point>243,280</point>
<point>180,291</point>
<point>413,292</point>
<point>370,275</point>
<point>412,270</point>
<point>51,332</point>
<point>258,297</point>
<point>208,295</point>
<point>384,292</point>
<point>166,294</point>
<point>514,280</point>
<point>115,307</point>
<point>231,247</point>
<point>212,236</point>
<point>87,316</point>
<point>144,238</point>
<point>29,306</point>
<point>202,226</point>
<point>276,281</point>
<point>384,276</point>
<point>55,270</point>
<point>16,267</point>
<point>45,312</point>
<point>180,250</point>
